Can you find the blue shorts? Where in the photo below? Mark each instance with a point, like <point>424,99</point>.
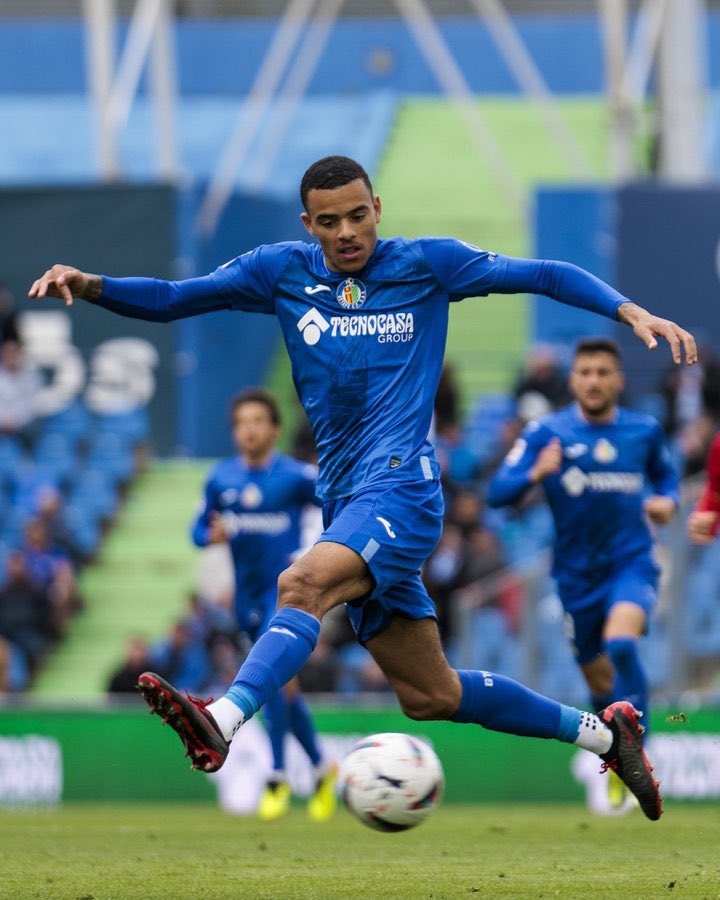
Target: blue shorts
<point>587,602</point>
<point>394,529</point>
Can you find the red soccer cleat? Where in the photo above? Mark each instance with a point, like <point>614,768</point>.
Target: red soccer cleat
<point>627,758</point>
<point>195,726</point>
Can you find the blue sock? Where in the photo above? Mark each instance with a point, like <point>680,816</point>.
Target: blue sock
<point>277,655</point>
<point>275,714</point>
<point>303,728</point>
<point>501,704</point>
<point>631,683</point>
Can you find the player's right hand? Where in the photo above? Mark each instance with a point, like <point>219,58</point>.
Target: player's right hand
<point>548,462</point>
<point>62,281</point>
<point>217,533</point>
<point>701,526</point>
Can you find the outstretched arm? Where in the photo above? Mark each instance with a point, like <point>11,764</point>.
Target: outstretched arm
<point>138,298</point>
<point>530,462</point>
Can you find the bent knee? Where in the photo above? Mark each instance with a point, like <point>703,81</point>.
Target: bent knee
<point>300,589</point>
<point>425,707</point>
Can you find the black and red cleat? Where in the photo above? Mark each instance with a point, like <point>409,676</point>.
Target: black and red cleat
<point>195,726</point>
<point>628,759</point>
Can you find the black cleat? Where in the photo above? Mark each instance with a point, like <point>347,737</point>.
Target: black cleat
<point>195,726</point>
<point>627,758</point>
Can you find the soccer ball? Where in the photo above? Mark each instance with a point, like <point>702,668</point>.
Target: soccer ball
<point>391,781</point>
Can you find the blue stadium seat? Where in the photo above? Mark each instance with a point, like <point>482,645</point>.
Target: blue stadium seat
<point>85,529</point>
<point>110,454</point>
<point>55,453</point>
<point>11,459</point>
<point>132,426</point>
<point>94,494</point>
<point>73,421</point>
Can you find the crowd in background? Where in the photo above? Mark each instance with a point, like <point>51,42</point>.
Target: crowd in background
<point>42,547</point>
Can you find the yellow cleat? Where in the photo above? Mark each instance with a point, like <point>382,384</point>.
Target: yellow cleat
<point>275,801</point>
<point>617,792</point>
<point>323,803</point>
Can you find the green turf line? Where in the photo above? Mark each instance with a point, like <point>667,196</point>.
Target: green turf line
<point>138,586</point>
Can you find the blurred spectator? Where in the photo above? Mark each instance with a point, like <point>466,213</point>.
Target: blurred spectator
<point>458,461</point>
<point>51,571</point>
<point>447,400</point>
<point>225,660</point>
<point>25,612</point>
<point>181,660</point>
<point>542,386</point>
<point>20,387</point>
<point>689,392</point>
<point>8,317</point>
<point>320,673</point>
<point>50,511</point>
<point>441,574</point>
<point>303,445</point>
<point>136,661</point>
<point>694,442</point>
<point>466,510</point>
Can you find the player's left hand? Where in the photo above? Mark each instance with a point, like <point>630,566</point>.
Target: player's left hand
<point>659,509</point>
<point>649,327</point>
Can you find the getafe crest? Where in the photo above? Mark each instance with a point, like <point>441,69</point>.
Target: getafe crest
<point>604,451</point>
<point>351,294</point>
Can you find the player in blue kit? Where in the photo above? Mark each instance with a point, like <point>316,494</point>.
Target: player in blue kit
<point>606,471</point>
<point>365,324</point>
<point>254,502</point>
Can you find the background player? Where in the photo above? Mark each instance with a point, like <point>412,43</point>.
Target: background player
<point>595,461</point>
<point>365,324</point>
<point>704,521</point>
<point>253,503</point>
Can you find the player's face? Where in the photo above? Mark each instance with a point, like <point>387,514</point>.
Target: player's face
<point>344,220</point>
<point>253,430</point>
<point>596,382</point>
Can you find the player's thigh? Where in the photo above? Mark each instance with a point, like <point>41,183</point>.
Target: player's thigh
<point>328,574</point>
<point>410,654</point>
<point>632,600</point>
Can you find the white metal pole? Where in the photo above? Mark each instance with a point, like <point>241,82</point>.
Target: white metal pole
<point>251,114</point>
<point>530,80</point>
<point>135,52</point>
<point>296,82</point>
<point>100,39</point>
<point>683,84</point>
<point>163,70</point>
<point>614,15</point>
<point>451,79</point>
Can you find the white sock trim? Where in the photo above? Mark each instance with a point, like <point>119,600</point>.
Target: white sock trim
<point>228,716</point>
<point>593,734</point>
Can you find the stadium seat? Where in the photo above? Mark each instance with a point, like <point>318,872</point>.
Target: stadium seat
<point>94,495</point>
<point>133,426</point>
<point>55,454</point>
<point>110,454</point>
<point>11,458</point>
<point>73,421</point>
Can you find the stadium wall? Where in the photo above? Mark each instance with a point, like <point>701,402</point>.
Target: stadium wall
<point>125,230</point>
<point>49,755</point>
<point>222,56</point>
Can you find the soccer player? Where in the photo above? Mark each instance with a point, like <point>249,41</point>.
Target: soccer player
<point>703,522</point>
<point>596,462</point>
<point>253,503</point>
<point>365,323</point>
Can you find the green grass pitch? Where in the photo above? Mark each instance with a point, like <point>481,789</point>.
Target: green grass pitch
<point>99,852</point>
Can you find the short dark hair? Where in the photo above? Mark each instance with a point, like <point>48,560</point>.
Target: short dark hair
<point>332,172</point>
<point>257,395</point>
<point>587,346</point>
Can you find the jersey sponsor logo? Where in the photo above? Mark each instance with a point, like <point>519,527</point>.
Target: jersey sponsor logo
<point>271,523</point>
<point>351,294</point>
<point>387,526</point>
<point>251,496</point>
<point>317,289</point>
<point>575,450</point>
<point>311,326</point>
<point>576,482</point>
<point>604,451</point>
<point>386,328</point>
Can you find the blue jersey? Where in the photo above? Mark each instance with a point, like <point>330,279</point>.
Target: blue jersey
<point>597,497</point>
<point>260,508</point>
<point>367,349</point>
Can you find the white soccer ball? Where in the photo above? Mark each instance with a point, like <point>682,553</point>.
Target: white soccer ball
<point>391,781</point>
